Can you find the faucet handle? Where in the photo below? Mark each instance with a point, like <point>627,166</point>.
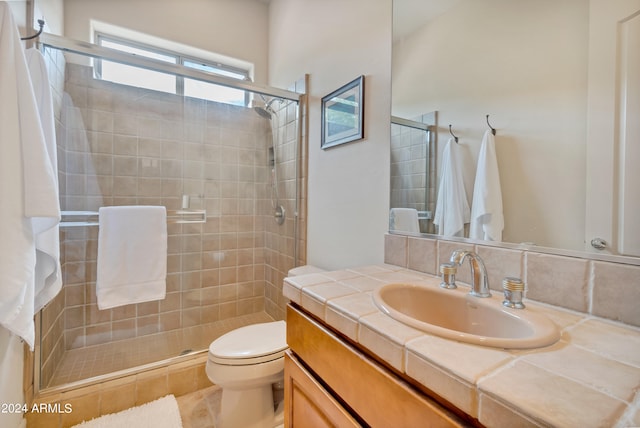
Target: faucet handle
<point>448,272</point>
<point>513,289</point>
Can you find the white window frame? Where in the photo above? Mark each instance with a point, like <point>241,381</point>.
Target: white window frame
<point>210,66</point>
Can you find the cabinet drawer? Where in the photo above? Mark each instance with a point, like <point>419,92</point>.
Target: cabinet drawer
<point>376,395</point>
<point>307,403</point>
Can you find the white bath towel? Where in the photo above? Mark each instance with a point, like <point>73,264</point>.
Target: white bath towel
<point>132,255</point>
<point>487,218</point>
<point>28,188</point>
<point>404,220</point>
<point>452,206</point>
<point>48,279</point>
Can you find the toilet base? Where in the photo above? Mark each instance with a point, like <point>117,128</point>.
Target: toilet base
<point>235,411</point>
<point>278,421</point>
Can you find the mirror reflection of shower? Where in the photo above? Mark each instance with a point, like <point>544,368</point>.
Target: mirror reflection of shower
<point>266,111</point>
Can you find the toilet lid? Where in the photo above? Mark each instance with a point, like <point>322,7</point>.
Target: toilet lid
<point>257,342</point>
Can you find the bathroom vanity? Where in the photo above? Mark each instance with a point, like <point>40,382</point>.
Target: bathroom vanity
<point>350,364</point>
<point>330,382</point>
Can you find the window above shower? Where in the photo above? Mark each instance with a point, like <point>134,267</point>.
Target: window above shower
<point>154,80</point>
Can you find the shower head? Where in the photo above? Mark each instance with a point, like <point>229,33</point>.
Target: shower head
<point>264,109</point>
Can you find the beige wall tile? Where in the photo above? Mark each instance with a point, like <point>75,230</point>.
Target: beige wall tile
<point>151,385</point>
<point>616,292</point>
<point>74,295</point>
<point>147,308</point>
<point>501,263</point>
<point>560,281</point>
<point>115,398</point>
<point>210,313</point>
<point>84,408</point>
<point>422,255</point>
<point>44,419</point>
<point>246,307</point>
<point>395,250</point>
<point>99,333</point>
<point>182,380</point>
<point>123,312</point>
<point>228,310</point>
<point>125,329</point>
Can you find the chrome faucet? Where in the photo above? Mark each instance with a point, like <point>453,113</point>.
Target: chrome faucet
<point>479,279</point>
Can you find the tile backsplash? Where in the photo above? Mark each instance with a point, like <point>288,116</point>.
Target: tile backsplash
<point>605,289</point>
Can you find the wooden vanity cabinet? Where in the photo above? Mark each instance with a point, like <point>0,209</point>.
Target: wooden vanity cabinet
<point>330,383</point>
<point>309,404</point>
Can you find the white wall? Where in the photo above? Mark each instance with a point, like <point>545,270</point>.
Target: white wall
<point>335,41</point>
<point>52,12</point>
<point>527,68</point>
<point>235,28</point>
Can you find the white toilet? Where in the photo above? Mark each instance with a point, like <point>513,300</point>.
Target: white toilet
<point>245,363</point>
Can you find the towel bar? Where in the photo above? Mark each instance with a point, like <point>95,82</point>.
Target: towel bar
<point>424,215</point>
<point>173,217</point>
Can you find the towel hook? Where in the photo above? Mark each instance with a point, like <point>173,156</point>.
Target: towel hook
<point>451,132</point>
<point>493,130</point>
<point>41,24</point>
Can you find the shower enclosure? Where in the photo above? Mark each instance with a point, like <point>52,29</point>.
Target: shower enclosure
<point>413,167</point>
<point>124,145</point>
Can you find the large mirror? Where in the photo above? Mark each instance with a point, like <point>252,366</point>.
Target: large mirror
<point>558,79</point>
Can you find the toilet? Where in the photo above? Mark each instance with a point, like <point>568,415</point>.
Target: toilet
<point>304,270</point>
<point>245,363</point>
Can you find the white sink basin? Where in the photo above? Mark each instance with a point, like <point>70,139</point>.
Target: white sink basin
<point>453,314</point>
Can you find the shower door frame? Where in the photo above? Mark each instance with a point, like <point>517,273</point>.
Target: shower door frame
<point>94,51</point>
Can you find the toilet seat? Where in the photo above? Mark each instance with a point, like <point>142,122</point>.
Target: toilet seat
<point>252,344</point>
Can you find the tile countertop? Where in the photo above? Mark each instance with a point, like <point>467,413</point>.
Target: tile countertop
<point>589,378</point>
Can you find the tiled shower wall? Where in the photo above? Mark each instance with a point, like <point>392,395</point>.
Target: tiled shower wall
<point>410,163</point>
<point>282,252</point>
<point>121,145</point>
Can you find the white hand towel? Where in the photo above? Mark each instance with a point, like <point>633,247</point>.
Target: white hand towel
<point>452,206</point>
<point>404,220</point>
<point>487,218</point>
<point>132,255</point>
<point>48,280</point>
<point>28,187</point>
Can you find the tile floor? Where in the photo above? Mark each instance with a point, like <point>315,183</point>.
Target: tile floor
<point>199,409</point>
<point>84,363</point>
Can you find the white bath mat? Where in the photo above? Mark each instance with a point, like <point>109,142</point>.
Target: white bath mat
<point>162,413</point>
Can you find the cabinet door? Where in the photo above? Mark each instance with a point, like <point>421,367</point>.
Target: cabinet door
<point>307,403</point>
